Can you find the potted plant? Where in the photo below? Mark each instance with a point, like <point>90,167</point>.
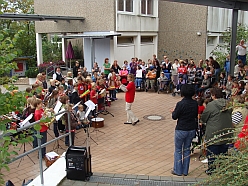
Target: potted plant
<point>32,73</point>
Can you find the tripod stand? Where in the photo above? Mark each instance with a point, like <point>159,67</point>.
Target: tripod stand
<point>86,130</point>
<point>105,111</point>
<point>24,150</point>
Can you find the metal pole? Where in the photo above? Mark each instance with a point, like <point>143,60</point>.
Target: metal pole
<point>37,148</point>
<point>92,51</point>
<point>233,40</point>
<point>69,128</point>
<point>40,160</point>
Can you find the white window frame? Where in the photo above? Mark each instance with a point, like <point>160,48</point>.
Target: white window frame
<point>146,14</point>
<point>124,7</point>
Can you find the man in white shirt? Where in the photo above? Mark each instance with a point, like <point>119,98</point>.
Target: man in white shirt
<point>241,48</point>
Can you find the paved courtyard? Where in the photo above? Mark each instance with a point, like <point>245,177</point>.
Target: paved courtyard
<point>144,149</point>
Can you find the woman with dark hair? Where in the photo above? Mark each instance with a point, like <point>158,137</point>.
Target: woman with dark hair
<point>218,121</point>
<point>185,113</point>
<point>115,67</point>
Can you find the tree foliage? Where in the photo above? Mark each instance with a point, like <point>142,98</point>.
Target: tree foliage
<point>223,49</point>
<point>52,51</point>
<point>25,43</point>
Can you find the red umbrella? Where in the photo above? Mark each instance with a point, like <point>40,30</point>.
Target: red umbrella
<point>69,53</point>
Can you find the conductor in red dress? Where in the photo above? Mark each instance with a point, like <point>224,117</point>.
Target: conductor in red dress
<point>129,97</point>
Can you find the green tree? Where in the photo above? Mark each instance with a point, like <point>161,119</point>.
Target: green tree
<point>25,43</point>
<point>51,50</point>
<point>223,49</point>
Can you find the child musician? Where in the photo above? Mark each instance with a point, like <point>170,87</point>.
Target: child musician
<point>74,123</point>
<point>112,90</point>
<point>43,131</point>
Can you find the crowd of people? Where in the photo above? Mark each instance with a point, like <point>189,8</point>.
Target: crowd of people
<point>101,85</point>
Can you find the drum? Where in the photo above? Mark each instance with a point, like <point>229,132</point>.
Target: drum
<point>97,122</point>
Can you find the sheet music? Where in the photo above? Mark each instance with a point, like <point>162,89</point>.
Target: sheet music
<point>123,88</point>
<point>76,105</point>
<point>87,112</point>
<point>90,104</point>
<point>60,115</point>
<point>26,121</point>
<point>57,107</point>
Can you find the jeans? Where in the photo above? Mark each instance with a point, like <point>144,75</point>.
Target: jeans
<point>138,82</point>
<point>72,138</point>
<point>217,74</point>
<point>131,118</point>
<point>43,140</point>
<point>183,141</point>
<point>213,150</point>
<point>112,94</point>
<point>243,59</point>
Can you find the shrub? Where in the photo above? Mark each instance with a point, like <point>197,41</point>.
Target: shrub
<point>32,72</point>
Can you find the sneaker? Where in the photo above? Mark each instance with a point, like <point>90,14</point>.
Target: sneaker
<point>146,90</point>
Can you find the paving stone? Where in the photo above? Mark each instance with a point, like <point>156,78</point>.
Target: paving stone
<point>130,176</point>
<point>97,174</point>
<point>101,184</point>
<point>154,178</point>
<point>66,182</point>
<point>177,178</point>
<point>142,177</point>
<point>166,178</point>
<point>79,183</point>
<point>119,175</point>
<point>189,179</point>
<point>91,184</point>
<point>108,175</point>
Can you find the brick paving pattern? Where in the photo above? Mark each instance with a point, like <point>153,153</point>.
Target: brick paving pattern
<point>144,149</point>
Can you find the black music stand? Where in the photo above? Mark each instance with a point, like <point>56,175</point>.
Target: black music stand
<point>105,111</point>
<point>24,150</point>
<point>88,137</point>
<point>86,127</point>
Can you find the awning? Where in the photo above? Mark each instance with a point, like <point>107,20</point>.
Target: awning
<point>36,17</point>
<point>230,4</point>
<point>94,35</point>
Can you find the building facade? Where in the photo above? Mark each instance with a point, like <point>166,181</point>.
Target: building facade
<point>122,29</point>
<point>135,21</point>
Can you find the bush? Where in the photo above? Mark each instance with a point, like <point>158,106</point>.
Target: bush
<point>32,72</point>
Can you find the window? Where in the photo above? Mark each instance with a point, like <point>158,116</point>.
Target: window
<point>146,39</point>
<point>125,5</point>
<point>147,7</point>
<point>211,40</point>
<point>124,40</point>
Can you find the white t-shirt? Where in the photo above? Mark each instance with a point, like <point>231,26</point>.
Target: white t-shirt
<point>241,50</point>
<point>174,69</point>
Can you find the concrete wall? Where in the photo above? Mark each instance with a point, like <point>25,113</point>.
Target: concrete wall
<point>178,27</point>
<point>136,23</point>
<point>99,15</point>
<point>224,17</point>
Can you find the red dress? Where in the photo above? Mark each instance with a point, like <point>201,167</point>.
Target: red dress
<point>243,134</point>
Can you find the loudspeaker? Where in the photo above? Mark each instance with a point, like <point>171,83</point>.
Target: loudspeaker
<point>76,163</point>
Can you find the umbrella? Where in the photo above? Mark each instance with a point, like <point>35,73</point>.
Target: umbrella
<point>69,53</point>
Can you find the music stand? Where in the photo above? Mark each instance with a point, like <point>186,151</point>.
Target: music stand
<point>88,137</point>
<point>24,150</point>
<point>90,107</point>
<point>105,111</point>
